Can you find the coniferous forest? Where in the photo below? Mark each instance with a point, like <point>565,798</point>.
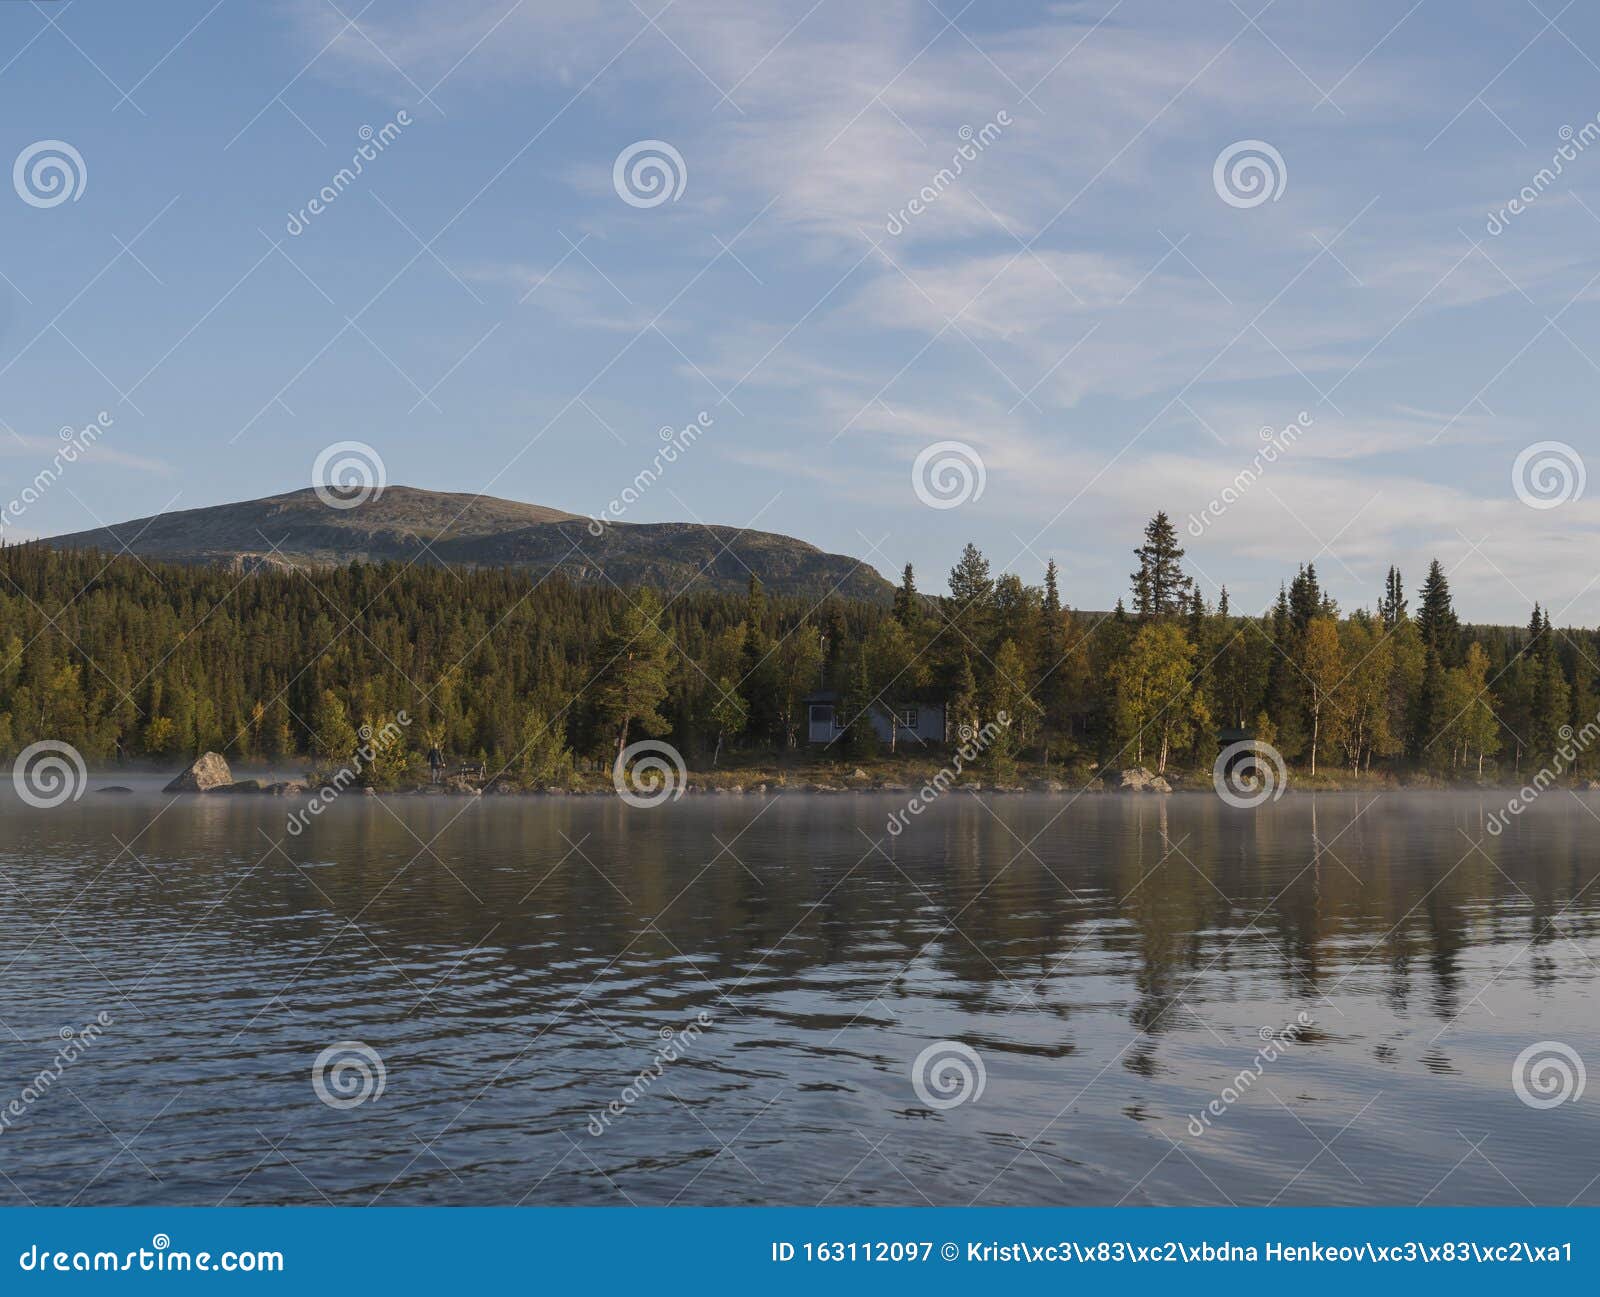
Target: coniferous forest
<point>131,661</point>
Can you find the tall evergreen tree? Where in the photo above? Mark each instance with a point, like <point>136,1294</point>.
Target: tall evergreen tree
<point>1160,588</point>
<point>1436,618</point>
<point>1392,606</point>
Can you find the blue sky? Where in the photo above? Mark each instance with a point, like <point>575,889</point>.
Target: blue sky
<point>1080,307</point>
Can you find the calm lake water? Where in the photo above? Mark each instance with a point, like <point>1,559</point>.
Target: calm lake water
<point>1112,964</point>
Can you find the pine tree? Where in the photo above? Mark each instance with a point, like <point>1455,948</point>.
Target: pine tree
<point>1392,607</point>
<point>1159,586</point>
<point>907,602</point>
<point>1436,618</point>
<point>633,680</point>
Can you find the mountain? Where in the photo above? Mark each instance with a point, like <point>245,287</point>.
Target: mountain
<point>407,525</point>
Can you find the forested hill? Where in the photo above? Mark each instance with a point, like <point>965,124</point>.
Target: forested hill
<point>122,657</point>
<point>412,526</point>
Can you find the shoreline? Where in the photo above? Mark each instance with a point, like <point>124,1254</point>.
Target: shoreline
<point>769,782</point>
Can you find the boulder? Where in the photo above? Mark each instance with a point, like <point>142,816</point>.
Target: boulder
<point>1140,780</point>
<point>114,788</point>
<point>243,786</point>
<point>288,788</point>
<point>208,772</point>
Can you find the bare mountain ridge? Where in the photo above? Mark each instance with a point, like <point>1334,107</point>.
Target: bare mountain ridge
<point>407,525</point>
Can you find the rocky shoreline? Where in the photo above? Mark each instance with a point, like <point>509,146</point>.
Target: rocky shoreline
<point>210,775</point>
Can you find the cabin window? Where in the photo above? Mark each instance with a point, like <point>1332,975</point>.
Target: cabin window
<point>908,718</point>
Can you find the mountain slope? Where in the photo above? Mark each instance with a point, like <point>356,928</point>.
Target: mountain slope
<point>406,525</point>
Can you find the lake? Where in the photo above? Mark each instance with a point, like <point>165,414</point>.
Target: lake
<point>729,1000</point>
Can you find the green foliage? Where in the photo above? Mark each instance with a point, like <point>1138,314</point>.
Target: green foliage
<point>128,660</point>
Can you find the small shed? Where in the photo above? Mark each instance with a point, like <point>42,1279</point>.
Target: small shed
<point>917,720</point>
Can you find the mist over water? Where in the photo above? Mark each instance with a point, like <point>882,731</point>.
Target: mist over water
<point>1112,963</point>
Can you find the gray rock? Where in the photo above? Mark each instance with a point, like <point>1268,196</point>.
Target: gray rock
<point>114,788</point>
<point>243,786</point>
<point>208,772</point>
<point>1140,780</point>
<point>287,788</point>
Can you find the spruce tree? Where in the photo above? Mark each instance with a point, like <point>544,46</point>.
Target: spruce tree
<point>1436,618</point>
<point>1159,586</point>
<point>1392,607</point>
<point>907,602</point>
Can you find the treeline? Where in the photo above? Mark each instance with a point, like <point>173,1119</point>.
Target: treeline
<point>127,660</point>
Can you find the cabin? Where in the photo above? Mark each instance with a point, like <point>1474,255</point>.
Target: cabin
<point>916,721</point>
